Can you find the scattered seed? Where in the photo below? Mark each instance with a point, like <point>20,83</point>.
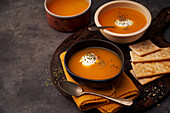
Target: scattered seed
<point>158,104</point>
<point>154,94</point>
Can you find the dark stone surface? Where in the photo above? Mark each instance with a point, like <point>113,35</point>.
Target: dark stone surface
<point>27,44</point>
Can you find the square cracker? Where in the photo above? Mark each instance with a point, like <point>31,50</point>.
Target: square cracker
<point>149,69</point>
<point>144,81</point>
<point>163,54</point>
<point>144,47</point>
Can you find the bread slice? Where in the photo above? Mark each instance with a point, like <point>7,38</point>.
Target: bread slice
<point>144,47</point>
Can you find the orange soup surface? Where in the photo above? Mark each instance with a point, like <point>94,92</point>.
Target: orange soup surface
<point>126,20</point>
<point>67,7</point>
<point>95,63</point>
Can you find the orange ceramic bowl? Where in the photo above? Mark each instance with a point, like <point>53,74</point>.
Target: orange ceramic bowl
<point>67,23</point>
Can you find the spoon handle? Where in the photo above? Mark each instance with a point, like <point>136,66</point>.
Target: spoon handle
<point>93,28</point>
<point>126,102</point>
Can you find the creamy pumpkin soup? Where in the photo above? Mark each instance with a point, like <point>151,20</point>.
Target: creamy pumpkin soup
<point>95,63</point>
<point>67,7</point>
<point>125,20</point>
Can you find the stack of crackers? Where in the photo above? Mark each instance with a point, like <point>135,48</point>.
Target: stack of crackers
<point>149,61</point>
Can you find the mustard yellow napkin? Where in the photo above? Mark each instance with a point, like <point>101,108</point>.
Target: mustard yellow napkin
<point>122,88</point>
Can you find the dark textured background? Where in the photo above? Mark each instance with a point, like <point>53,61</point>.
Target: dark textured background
<point>27,44</point>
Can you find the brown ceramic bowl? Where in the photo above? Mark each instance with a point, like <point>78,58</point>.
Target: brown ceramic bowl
<point>67,23</point>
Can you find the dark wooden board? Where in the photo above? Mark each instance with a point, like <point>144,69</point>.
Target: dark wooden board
<point>151,93</point>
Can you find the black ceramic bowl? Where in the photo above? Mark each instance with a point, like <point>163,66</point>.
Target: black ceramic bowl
<point>93,43</point>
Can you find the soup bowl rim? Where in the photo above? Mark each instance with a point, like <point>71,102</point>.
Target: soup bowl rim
<point>93,80</point>
<point>148,18</point>
<point>67,17</point>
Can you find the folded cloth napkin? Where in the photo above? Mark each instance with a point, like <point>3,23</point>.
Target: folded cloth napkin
<point>122,88</point>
